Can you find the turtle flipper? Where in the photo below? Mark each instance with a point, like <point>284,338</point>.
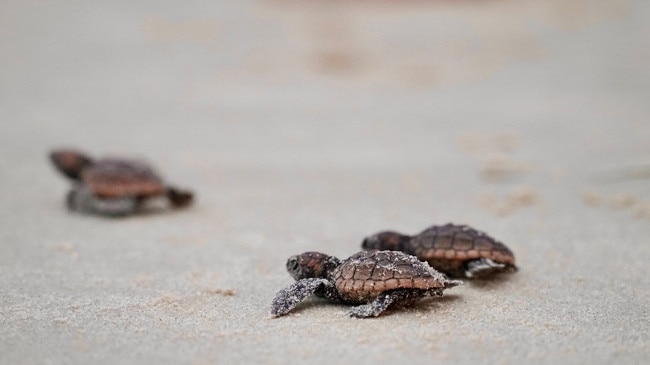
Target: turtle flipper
<point>483,267</point>
<point>81,199</point>
<point>385,300</point>
<point>179,198</point>
<point>288,298</point>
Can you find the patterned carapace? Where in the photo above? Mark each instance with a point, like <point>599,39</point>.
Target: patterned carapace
<point>379,278</point>
<point>457,250</point>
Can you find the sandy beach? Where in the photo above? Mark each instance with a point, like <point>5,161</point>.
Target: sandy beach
<point>306,126</point>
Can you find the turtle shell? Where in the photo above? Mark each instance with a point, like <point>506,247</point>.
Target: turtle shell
<point>459,243</point>
<point>366,274</point>
<point>112,177</point>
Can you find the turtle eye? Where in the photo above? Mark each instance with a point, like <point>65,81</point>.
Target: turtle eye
<point>293,266</point>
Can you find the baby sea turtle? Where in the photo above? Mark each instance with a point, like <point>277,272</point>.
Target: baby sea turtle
<point>377,278</point>
<point>457,250</point>
<point>112,186</point>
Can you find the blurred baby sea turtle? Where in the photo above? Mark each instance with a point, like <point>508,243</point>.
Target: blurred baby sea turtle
<point>457,250</point>
<point>112,186</point>
<point>373,280</point>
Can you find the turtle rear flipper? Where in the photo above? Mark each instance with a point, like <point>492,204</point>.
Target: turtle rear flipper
<point>452,283</point>
<point>377,306</point>
<point>81,199</point>
<point>483,267</point>
<point>288,298</point>
<point>179,198</point>
<point>398,297</point>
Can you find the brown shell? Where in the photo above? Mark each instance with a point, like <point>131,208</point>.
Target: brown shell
<point>113,177</point>
<point>367,274</point>
<point>458,243</point>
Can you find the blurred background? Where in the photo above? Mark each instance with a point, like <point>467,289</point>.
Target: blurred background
<point>473,93</point>
<point>306,125</point>
<point>424,86</point>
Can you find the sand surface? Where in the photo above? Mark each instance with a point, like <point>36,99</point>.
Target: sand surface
<point>306,126</point>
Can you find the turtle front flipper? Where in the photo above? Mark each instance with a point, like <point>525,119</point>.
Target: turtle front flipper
<point>81,199</point>
<point>288,298</point>
<point>483,267</point>
<point>388,298</point>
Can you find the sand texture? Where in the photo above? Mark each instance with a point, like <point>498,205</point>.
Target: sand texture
<point>307,126</point>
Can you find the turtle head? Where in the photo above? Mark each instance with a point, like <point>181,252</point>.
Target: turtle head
<point>311,265</point>
<point>70,162</point>
<point>386,240</point>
